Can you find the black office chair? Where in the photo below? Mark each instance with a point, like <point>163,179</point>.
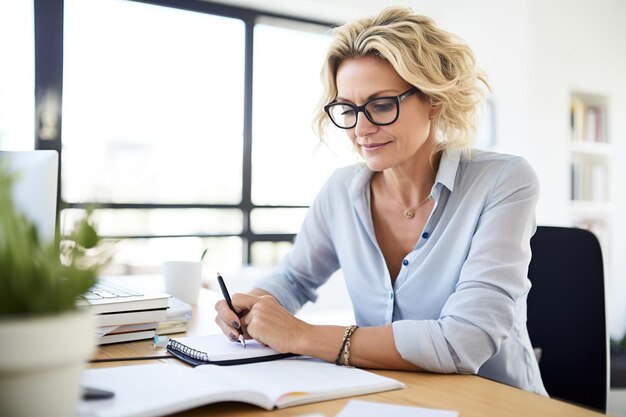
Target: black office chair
<point>566,314</point>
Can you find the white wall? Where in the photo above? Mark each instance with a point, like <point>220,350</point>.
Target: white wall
<point>579,45</point>
<point>535,53</point>
<point>497,31</point>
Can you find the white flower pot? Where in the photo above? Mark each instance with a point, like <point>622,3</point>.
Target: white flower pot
<point>40,363</point>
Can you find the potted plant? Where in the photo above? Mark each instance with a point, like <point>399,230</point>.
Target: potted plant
<point>44,338</point>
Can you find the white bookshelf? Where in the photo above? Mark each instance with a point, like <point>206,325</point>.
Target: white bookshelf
<point>591,153</point>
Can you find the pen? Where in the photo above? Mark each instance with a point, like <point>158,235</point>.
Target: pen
<point>230,305</point>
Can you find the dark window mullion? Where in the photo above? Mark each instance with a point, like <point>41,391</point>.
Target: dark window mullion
<point>169,236</point>
<point>273,237</point>
<point>99,205</point>
<point>246,189</point>
<point>48,26</point>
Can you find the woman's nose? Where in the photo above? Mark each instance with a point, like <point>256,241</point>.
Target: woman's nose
<point>364,127</point>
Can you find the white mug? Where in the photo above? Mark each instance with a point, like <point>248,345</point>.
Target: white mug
<point>183,280</point>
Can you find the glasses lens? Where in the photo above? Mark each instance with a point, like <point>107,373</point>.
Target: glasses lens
<point>382,111</point>
<point>342,115</point>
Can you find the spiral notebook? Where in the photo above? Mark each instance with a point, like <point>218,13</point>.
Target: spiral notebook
<point>218,350</point>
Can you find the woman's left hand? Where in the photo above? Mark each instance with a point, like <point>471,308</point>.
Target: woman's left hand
<point>270,323</point>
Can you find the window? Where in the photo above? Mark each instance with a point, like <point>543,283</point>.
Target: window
<point>17,101</point>
<point>151,115</point>
<point>287,63</point>
<point>179,125</point>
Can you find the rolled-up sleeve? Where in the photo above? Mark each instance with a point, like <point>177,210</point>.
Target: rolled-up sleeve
<point>481,311</point>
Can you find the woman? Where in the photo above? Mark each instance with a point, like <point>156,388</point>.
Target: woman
<point>433,240</point>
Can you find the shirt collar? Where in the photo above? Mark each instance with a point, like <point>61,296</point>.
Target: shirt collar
<point>446,174</point>
<point>360,183</point>
<point>448,166</point>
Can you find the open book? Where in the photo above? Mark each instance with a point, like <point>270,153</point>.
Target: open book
<point>218,350</point>
<point>163,389</point>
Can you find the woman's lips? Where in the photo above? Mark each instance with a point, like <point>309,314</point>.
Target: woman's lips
<point>372,147</point>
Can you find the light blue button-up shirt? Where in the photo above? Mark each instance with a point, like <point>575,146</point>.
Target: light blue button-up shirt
<point>458,304</point>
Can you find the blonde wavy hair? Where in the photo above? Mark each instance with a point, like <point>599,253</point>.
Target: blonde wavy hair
<point>438,63</point>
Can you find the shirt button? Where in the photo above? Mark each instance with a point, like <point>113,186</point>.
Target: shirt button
<point>405,262</point>
<point>425,235</point>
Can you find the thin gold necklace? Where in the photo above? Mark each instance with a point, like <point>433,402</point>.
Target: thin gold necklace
<point>409,212</point>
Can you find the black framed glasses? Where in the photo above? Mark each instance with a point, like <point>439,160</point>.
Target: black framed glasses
<point>381,111</point>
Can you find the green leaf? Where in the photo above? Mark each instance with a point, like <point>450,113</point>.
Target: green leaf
<point>38,278</point>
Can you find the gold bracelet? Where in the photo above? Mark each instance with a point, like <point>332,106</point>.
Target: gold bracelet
<point>343,345</point>
<point>346,349</point>
<point>344,353</point>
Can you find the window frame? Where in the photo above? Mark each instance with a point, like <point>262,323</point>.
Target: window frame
<point>48,21</point>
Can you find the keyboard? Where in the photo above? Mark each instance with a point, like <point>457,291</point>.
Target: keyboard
<point>111,297</point>
<point>106,290</point>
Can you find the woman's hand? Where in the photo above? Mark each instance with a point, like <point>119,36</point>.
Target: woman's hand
<point>229,322</point>
<point>263,319</point>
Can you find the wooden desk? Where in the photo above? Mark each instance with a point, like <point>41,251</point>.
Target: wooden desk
<point>469,394</point>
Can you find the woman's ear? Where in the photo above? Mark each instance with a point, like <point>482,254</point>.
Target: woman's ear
<point>434,109</point>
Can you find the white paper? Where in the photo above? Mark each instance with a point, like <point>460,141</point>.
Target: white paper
<point>219,348</point>
<point>300,380</point>
<point>357,408</point>
<point>103,330</point>
<point>178,310</point>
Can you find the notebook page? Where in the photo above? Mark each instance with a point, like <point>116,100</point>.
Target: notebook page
<point>219,348</point>
<point>159,389</point>
<point>294,381</point>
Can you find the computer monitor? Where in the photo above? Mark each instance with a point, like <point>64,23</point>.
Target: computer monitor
<point>35,190</point>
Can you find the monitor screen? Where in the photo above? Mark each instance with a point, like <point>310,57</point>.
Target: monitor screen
<point>35,190</point>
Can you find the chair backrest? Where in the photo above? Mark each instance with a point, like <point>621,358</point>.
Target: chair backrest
<point>567,316</point>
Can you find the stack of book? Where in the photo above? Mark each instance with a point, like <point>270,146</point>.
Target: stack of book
<point>124,314</point>
<point>178,315</point>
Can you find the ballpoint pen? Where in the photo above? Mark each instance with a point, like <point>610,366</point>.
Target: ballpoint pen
<point>230,305</point>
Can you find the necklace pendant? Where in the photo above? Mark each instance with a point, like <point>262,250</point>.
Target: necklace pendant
<point>409,213</point>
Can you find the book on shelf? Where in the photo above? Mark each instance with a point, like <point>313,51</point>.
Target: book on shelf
<point>163,389</point>
<point>589,181</point>
<point>217,349</point>
<point>587,121</point>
